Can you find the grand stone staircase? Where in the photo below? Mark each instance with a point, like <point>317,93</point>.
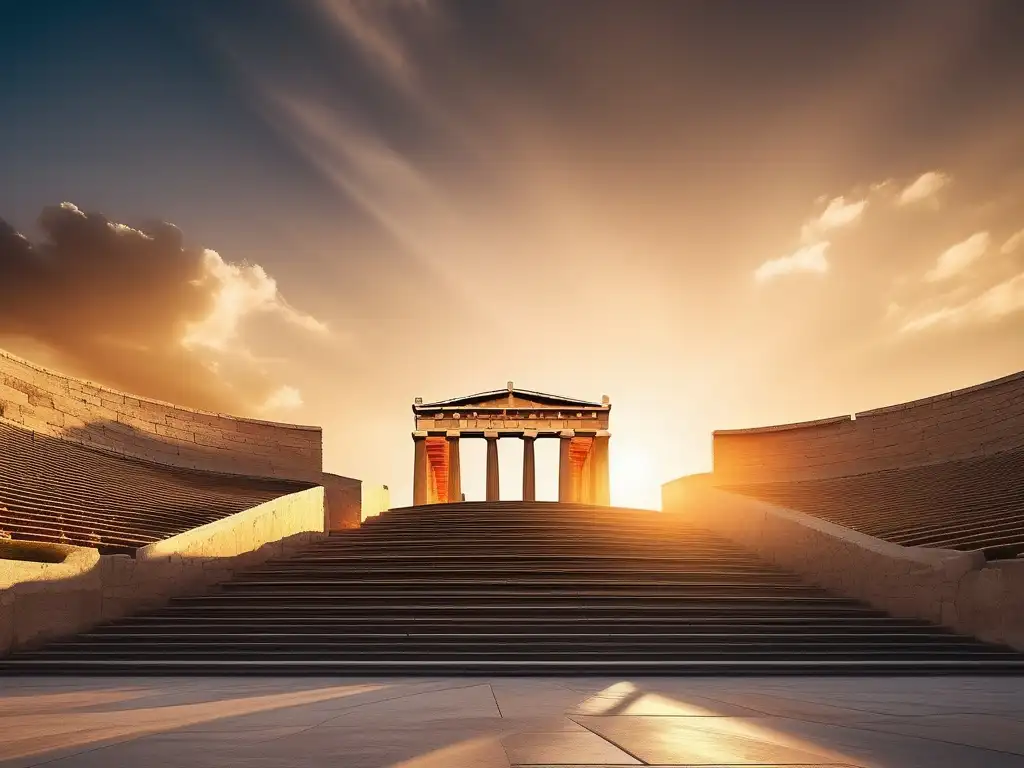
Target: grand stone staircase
<point>518,588</point>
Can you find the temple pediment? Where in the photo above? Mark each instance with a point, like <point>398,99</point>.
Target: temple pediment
<point>511,397</point>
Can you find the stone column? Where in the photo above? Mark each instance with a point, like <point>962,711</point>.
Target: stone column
<point>493,494</point>
<point>529,467</point>
<point>420,479</point>
<point>602,483</point>
<point>565,466</point>
<point>586,492</point>
<point>454,468</point>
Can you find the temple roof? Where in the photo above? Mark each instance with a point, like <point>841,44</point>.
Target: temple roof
<point>511,397</point>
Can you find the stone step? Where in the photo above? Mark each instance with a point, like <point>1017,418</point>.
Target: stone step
<point>416,572</point>
<point>342,635</point>
<point>318,622</point>
<point>638,585</point>
<point>548,599</point>
<point>401,666</point>
<point>562,642</point>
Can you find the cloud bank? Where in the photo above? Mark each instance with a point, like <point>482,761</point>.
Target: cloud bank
<point>136,309</point>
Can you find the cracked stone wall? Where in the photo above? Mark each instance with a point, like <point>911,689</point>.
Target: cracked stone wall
<point>48,601</point>
<point>50,403</point>
<point>955,589</point>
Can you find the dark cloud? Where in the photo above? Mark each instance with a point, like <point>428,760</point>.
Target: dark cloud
<point>113,302</point>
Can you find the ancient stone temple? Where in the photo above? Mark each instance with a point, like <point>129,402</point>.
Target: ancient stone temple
<point>580,426</point>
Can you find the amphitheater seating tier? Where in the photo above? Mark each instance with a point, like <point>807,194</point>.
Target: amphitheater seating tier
<point>969,504</point>
<point>523,589</point>
<point>57,491</point>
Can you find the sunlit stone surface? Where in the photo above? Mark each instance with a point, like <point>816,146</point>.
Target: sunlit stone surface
<point>477,723</point>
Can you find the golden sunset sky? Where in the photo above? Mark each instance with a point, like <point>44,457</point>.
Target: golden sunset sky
<point>720,214</point>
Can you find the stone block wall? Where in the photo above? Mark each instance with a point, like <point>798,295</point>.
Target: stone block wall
<point>47,601</point>
<point>344,501</point>
<point>979,420</point>
<point>350,501</point>
<point>957,589</point>
<point>72,409</point>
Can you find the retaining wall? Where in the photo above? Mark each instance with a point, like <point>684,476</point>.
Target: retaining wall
<point>72,409</point>
<point>959,590</point>
<point>979,420</point>
<point>344,497</point>
<point>47,601</point>
<point>349,501</point>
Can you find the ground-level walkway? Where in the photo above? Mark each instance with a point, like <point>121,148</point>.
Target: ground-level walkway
<point>497,723</point>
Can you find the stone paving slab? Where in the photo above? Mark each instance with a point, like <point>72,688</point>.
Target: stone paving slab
<point>511,723</point>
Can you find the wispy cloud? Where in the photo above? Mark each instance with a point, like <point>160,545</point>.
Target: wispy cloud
<point>1013,242</point>
<point>924,187</point>
<point>366,24</point>
<point>957,258</point>
<point>812,255</point>
<point>810,258</point>
<point>838,213</point>
<point>999,301</point>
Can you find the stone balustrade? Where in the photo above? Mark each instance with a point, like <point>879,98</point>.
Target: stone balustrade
<point>956,589</point>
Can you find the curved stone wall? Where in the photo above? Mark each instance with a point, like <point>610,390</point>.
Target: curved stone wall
<point>979,420</point>
<point>52,404</point>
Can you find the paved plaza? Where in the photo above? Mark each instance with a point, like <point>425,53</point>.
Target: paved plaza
<point>498,723</point>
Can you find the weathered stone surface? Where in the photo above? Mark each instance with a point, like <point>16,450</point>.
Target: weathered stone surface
<point>350,501</point>
<point>60,406</point>
<point>979,420</point>
<point>957,589</point>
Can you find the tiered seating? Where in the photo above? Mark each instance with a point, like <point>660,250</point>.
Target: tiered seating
<point>57,491</point>
<point>975,503</point>
<point>518,588</point>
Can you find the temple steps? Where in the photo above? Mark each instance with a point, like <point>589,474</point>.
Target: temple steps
<point>519,589</point>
